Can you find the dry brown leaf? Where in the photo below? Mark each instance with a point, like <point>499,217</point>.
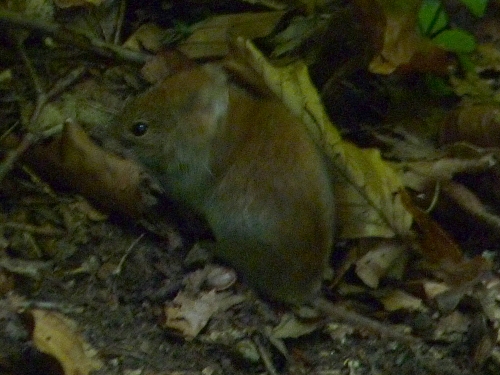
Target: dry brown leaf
<point>210,38</point>
<point>421,174</point>
<point>397,21</point>
<point>56,335</point>
<point>189,315</point>
<point>148,36</point>
<point>291,327</point>
<point>437,246</point>
<point>452,328</point>
<point>399,300</point>
<point>75,161</point>
<point>478,124</point>
<point>442,253</point>
<point>375,264</point>
<point>392,27</point>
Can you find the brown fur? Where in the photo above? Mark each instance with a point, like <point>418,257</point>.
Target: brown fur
<point>249,167</point>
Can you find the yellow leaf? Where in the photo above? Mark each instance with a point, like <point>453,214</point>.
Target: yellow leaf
<point>56,335</point>
<point>367,188</point>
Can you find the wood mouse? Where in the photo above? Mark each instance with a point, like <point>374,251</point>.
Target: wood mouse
<point>247,166</point>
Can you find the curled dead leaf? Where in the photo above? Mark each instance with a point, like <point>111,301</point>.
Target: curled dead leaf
<point>73,160</point>
<point>56,335</point>
<point>189,315</point>
<point>441,251</point>
<point>478,124</point>
<point>209,38</point>
<point>375,264</point>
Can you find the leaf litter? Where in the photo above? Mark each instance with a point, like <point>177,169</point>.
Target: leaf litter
<point>410,271</point>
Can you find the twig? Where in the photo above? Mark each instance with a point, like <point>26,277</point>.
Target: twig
<point>66,81</point>
<point>119,22</point>
<point>351,317</point>
<point>41,98</point>
<point>48,305</point>
<point>34,229</point>
<point>14,155</point>
<point>414,344</point>
<point>72,37</point>
<point>33,137</point>
<point>119,267</point>
<point>265,356</point>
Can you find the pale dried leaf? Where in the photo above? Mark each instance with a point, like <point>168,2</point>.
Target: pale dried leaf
<point>339,332</point>
<point>474,123</point>
<point>471,203</point>
<point>189,315</point>
<point>290,327</point>
<point>452,327</point>
<point>400,300</point>
<point>148,36</point>
<point>434,288</point>
<point>420,174</point>
<point>56,335</point>
<point>488,295</point>
<point>375,263</point>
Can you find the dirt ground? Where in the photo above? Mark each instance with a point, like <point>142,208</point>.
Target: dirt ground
<point>121,314</point>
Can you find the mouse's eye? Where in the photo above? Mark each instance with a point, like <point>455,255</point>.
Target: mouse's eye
<point>139,128</point>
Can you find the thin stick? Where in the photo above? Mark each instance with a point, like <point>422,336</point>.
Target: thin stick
<point>72,37</point>
<point>119,267</point>
<point>264,356</point>
<point>119,22</point>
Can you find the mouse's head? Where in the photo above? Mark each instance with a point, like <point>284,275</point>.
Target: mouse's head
<point>175,121</point>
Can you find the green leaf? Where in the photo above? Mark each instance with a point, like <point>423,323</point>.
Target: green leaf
<point>431,17</point>
<point>455,41</point>
<point>466,62</point>
<point>477,7</point>
<point>438,86</point>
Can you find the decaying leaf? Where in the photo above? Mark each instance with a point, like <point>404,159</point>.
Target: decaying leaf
<point>378,260</point>
<point>209,38</point>
<point>7,282</point>
<point>148,36</point>
<point>452,327</point>
<point>478,124</point>
<point>298,32</point>
<point>75,161</point>
<point>56,335</point>
<point>368,199</point>
<point>291,327</point>
<point>189,315</point>
<point>392,26</point>
<point>471,203</point>
<point>398,20</point>
<point>442,252</point>
<point>420,174</point>
<point>399,300</point>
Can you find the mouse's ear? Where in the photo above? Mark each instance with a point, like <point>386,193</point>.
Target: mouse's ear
<point>210,106</point>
